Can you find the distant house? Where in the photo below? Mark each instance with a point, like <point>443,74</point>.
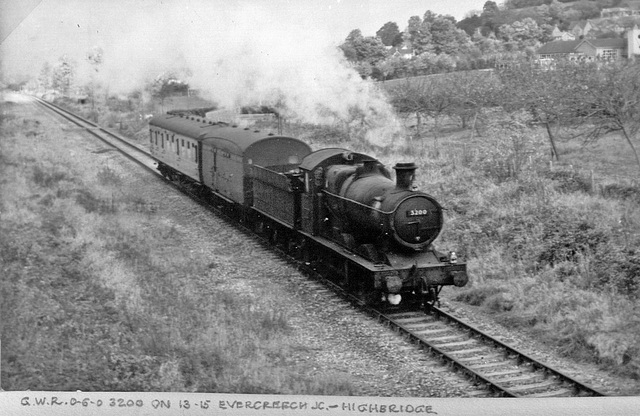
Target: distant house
<point>404,51</point>
<point>580,29</point>
<point>593,49</point>
<point>557,34</point>
<point>559,49</point>
<point>633,43</point>
<point>619,12</point>
<point>607,49</point>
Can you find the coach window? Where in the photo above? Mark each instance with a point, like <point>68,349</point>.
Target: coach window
<point>195,152</point>
<point>178,146</point>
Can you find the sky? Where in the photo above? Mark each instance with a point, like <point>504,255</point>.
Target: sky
<point>32,31</point>
<point>235,52</point>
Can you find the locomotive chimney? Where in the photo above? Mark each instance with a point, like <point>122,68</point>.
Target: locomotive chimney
<point>405,172</point>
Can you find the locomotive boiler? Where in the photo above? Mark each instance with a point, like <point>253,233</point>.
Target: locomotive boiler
<point>384,210</point>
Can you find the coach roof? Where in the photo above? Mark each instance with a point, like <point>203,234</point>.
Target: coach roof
<point>233,139</point>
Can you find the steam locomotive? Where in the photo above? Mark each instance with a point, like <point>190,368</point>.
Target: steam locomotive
<point>337,210</point>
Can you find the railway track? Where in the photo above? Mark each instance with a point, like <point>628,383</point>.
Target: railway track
<point>487,362</point>
<point>501,368</point>
<point>133,151</point>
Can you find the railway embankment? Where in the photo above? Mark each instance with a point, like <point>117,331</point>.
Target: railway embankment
<point>113,280</point>
<point>519,303</point>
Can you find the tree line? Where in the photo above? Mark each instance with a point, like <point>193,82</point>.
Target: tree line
<point>438,43</point>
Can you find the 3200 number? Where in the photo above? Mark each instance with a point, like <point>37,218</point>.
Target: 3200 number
<point>417,213</point>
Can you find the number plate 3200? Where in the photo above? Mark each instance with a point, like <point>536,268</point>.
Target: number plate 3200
<point>417,212</point>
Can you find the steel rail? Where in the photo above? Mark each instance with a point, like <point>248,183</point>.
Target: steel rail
<point>99,132</point>
<point>521,356</point>
<point>487,382</point>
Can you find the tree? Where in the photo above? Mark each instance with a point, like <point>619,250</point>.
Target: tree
<point>63,75</point>
<point>45,77</point>
<point>393,67</point>
<point>389,34</point>
<point>365,52</point>
<point>424,97</point>
<point>524,33</point>
<point>489,14</point>
<point>353,35</point>
<point>608,96</point>
<point>470,24</point>
<point>596,99</point>
<point>541,94</point>
<point>95,57</point>
<point>472,92</point>
<point>446,37</point>
<point>167,84</point>
<point>490,7</point>
<point>419,35</point>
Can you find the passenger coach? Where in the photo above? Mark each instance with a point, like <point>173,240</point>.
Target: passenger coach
<point>219,156</point>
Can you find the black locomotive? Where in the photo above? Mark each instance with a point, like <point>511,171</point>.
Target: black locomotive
<point>337,210</point>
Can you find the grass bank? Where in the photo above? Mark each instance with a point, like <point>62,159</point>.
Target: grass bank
<point>100,292</point>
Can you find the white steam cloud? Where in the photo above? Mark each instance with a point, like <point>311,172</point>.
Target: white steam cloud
<point>245,55</point>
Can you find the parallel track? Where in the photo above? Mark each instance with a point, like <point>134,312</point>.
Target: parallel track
<point>488,362</point>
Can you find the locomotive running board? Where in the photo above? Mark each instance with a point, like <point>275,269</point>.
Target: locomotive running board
<point>343,251</point>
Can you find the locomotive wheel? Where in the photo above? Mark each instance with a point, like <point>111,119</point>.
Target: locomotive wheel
<point>259,228</point>
<point>373,298</point>
<point>296,248</point>
<point>348,241</point>
<point>431,299</point>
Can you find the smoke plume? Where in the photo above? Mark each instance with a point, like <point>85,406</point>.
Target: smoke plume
<point>248,55</point>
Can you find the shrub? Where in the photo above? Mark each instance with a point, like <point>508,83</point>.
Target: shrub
<point>45,178</point>
<point>568,181</point>
<point>510,150</point>
<point>478,295</point>
<point>566,238</point>
<point>108,176</point>
<point>624,192</point>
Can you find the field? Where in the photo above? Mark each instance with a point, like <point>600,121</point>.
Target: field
<point>551,248</point>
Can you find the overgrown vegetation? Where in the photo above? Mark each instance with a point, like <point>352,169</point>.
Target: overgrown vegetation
<point>92,298</point>
<point>548,221</point>
<point>552,247</point>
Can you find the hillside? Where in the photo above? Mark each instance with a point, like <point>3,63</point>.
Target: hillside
<point>551,13</point>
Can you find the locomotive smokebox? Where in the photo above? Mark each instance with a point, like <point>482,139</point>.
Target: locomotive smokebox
<point>405,173</point>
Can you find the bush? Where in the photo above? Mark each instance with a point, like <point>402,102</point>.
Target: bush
<point>624,192</point>
<point>47,178</point>
<point>568,181</point>
<point>565,239</point>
